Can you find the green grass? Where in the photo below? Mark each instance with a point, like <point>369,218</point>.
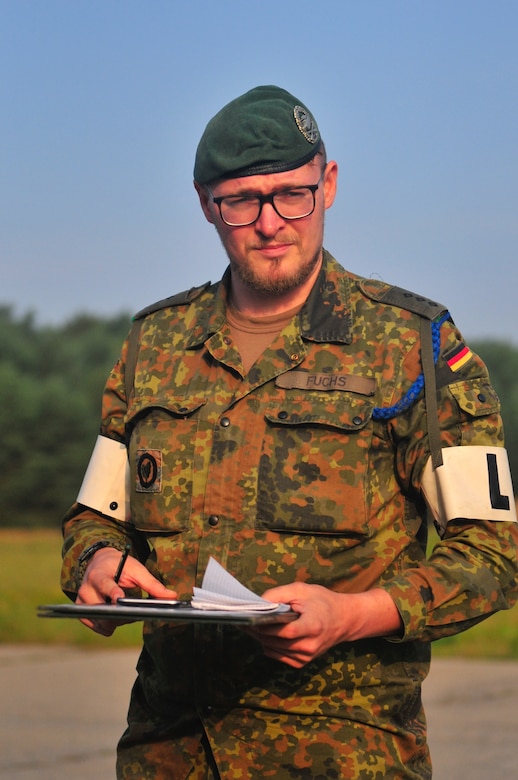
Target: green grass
<point>496,637</point>
<point>30,569</point>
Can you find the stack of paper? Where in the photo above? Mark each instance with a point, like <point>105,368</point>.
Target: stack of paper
<point>221,591</point>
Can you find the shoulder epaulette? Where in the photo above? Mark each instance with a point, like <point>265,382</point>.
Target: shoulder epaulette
<point>404,299</point>
<point>180,299</point>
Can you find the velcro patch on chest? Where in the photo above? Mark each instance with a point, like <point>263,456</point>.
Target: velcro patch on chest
<point>304,380</point>
<point>149,471</point>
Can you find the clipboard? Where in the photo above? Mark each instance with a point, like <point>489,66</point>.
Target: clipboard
<point>221,599</point>
<point>179,611</point>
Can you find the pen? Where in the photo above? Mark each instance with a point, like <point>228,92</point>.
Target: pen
<point>122,561</point>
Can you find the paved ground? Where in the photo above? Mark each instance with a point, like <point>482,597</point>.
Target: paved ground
<point>62,711</point>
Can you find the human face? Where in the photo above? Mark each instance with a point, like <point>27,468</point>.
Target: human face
<point>274,255</point>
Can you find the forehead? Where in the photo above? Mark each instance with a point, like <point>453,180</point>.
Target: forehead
<point>267,182</point>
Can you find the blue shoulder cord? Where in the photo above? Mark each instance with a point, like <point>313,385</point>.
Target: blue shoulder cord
<point>387,413</point>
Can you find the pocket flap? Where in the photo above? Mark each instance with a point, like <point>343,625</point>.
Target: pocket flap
<point>476,397</point>
<point>181,406</point>
<point>335,410</point>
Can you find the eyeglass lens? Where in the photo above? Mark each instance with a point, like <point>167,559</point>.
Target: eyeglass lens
<point>289,204</point>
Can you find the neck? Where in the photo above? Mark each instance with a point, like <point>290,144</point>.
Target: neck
<point>254,303</point>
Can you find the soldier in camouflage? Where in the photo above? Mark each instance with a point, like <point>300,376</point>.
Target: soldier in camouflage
<point>280,421</point>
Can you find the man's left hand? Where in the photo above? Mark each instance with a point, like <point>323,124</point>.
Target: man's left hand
<point>326,619</point>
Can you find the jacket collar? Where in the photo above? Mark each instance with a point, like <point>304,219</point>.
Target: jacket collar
<point>325,317</point>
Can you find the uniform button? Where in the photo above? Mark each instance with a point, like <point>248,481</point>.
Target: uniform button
<point>482,398</point>
<point>282,415</point>
<point>357,420</point>
<point>113,506</point>
<point>225,422</point>
<point>227,341</point>
<point>213,520</point>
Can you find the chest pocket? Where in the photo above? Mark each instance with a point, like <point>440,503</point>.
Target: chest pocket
<point>314,465</point>
<point>162,435</point>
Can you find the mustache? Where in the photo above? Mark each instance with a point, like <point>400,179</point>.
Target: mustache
<point>268,243</point>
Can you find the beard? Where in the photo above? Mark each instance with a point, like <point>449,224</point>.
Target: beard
<point>274,283</point>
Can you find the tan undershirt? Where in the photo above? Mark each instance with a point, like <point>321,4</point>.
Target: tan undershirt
<point>252,335</point>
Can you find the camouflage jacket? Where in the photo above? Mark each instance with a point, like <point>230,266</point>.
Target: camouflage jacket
<point>292,472</point>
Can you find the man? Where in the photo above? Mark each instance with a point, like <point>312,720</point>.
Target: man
<point>293,421</point>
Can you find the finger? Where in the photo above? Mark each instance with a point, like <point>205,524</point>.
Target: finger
<point>135,574</point>
<point>104,590</point>
<point>103,627</point>
<point>291,659</point>
<point>286,594</point>
<point>114,593</point>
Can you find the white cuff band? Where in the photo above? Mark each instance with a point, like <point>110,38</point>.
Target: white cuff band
<point>106,483</point>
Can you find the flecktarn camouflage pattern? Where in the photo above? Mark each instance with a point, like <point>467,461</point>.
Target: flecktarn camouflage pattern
<point>290,473</point>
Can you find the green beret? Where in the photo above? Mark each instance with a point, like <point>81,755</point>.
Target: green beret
<point>266,130</point>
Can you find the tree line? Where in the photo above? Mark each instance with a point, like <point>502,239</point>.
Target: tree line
<point>51,380</point>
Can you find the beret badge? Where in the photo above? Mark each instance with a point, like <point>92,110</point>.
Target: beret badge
<point>306,124</point>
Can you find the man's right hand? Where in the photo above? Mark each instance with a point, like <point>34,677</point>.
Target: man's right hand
<point>99,586</point>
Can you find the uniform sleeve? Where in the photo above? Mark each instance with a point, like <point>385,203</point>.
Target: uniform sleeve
<point>82,526</point>
<point>472,571</point>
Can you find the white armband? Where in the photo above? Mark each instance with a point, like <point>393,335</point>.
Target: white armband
<point>473,483</point>
<point>106,483</point>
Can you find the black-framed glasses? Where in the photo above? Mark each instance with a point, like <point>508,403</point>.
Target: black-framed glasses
<point>291,203</point>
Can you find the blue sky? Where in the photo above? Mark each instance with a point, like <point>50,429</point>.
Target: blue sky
<point>103,103</point>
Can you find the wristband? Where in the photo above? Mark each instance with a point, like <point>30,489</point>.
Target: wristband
<point>85,556</point>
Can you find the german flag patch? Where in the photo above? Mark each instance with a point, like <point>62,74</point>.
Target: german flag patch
<point>458,357</point>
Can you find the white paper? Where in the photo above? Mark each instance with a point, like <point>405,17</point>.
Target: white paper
<point>220,590</point>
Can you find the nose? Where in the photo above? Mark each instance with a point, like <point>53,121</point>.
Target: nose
<point>268,222</point>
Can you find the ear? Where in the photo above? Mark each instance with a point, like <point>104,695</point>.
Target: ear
<point>330,183</point>
<point>205,202</point>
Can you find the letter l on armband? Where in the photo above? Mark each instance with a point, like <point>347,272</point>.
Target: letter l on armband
<point>474,482</point>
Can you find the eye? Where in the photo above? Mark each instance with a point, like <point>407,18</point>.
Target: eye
<point>239,201</point>
<point>291,196</point>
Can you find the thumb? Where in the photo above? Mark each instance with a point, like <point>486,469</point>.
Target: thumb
<point>280,594</point>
